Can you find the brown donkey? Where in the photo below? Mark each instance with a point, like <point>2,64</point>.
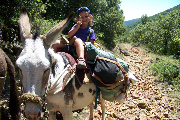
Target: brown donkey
<point>14,105</point>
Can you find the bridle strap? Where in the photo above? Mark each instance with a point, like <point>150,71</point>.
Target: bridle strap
<point>29,97</point>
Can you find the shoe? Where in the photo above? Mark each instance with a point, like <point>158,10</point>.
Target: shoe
<point>81,64</point>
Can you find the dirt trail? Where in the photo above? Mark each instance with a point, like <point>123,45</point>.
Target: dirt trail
<point>144,100</point>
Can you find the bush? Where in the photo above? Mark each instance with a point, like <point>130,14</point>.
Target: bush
<point>167,71</point>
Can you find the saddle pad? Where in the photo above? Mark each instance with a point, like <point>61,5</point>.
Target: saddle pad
<point>70,58</point>
<point>62,80</point>
<point>86,78</point>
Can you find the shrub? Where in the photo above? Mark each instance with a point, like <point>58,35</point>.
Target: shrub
<point>167,71</point>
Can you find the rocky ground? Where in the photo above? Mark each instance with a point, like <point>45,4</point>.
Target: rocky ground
<point>145,101</point>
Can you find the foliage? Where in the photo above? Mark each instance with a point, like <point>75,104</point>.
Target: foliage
<point>167,71</point>
<point>108,21</point>
<point>46,13</point>
<point>144,19</point>
<point>9,28</point>
<point>161,35</point>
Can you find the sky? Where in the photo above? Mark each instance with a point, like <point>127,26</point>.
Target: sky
<point>133,9</point>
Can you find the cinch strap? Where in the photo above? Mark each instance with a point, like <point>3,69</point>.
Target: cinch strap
<point>97,95</point>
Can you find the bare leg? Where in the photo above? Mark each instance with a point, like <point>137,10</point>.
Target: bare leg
<point>58,45</point>
<point>67,113</point>
<point>79,47</point>
<point>78,43</point>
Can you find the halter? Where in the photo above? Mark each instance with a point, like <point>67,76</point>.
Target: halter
<point>29,97</point>
<point>34,98</point>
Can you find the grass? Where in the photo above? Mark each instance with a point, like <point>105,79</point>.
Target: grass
<point>167,69</point>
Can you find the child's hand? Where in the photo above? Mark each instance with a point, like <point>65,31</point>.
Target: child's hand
<point>79,22</point>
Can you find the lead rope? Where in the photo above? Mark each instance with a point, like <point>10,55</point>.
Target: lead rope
<point>46,113</point>
<point>97,95</point>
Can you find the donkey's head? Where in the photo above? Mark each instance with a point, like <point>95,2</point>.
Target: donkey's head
<point>34,63</point>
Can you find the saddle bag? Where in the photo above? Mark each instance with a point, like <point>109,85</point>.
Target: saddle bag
<point>107,69</point>
<point>110,75</point>
<point>91,53</point>
<point>104,73</point>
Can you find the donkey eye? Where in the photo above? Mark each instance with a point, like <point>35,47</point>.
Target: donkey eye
<point>45,77</point>
<point>47,71</point>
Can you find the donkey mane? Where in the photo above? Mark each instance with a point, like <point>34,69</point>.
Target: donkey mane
<point>37,33</point>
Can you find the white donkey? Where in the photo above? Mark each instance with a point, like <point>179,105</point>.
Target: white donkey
<point>42,73</point>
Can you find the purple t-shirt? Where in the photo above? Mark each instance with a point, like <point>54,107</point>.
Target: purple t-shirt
<point>83,33</point>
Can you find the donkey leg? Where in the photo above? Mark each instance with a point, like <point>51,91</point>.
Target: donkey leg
<point>52,115</point>
<point>67,113</point>
<point>91,111</point>
<point>103,107</point>
<point>2,79</point>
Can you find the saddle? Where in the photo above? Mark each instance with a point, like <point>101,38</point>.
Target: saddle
<point>82,75</point>
<point>108,73</point>
<point>102,67</point>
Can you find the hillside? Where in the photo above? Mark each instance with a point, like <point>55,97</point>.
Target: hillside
<point>165,12</point>
<point>133,23</point>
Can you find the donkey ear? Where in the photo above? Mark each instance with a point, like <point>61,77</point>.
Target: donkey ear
<point>24,25</point>
<point>54,32</point>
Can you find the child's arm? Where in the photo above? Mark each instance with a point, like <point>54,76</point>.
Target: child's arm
<point>74,30</point>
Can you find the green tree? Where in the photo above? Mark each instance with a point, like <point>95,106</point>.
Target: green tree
<point>46,13</point>
<point>144,19</point>
<point>161,35</point>
<point>109,21</point>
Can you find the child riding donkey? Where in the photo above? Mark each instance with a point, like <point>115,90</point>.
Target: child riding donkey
<point>108,73</point>
<point>79,34</point>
